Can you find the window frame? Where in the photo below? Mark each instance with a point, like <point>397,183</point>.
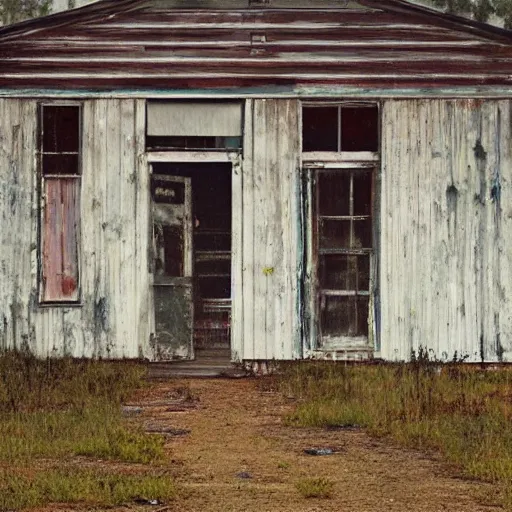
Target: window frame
<point>41,194</point>
<point>312,162</point>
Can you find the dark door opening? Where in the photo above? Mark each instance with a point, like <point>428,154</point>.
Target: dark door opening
<point>209,253</point>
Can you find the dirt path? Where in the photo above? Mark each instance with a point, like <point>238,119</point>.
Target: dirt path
<point>236,431</point>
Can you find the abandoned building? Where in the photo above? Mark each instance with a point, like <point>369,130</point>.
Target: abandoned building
<point>285,179</point>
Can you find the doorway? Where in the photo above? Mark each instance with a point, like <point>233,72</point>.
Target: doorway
<point>192,212</point>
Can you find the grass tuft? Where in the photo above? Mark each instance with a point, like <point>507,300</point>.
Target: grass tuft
<point>315,487</point>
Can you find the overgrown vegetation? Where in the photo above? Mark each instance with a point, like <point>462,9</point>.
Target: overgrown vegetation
<point>461,411</point>
<point>57,409</point>
<point>17,10</point>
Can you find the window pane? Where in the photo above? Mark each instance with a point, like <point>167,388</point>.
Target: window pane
<point>169,250</point>
<point>163,143</point>
<point>360,128</point>
<point>345,272</point>
<point>344,316</point>
<point>61,129</point>
<point>335,234</point>
<point>363,193</point>
<point>334,193</point>
<point>362,234</point>
<point>60,164</point>
<point>320,129</point>
<point>60,240</point>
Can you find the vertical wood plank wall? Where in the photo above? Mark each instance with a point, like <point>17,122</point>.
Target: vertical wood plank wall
<point>114,318</point>
<point>446,232</point>
<point>271,240</point>
<point>446,229</point>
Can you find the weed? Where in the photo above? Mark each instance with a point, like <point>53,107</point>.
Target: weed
<point>283,465</point>
<point>18,490</point>
<point>315,487</point>
<point>463,412</point>
<point>57,409</point>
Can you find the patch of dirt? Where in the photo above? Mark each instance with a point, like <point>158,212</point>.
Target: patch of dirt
<point>238,456</point>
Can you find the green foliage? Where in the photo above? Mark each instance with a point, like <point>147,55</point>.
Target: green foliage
<point>480,10</point>
<point>315,487</point>
<point>12,11</point>
<point>26,489</point>
<point>461,411</point>
<point>56,409</point>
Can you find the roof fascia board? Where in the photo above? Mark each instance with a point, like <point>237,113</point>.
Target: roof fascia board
<point>300,92</point>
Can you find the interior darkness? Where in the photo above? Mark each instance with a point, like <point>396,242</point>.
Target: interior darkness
<point>360,128</point>
<point>320,129</point>
<point>61,136</point>
<point>61,129</point>
<point>345,316</point>
<point>211,211</point>
<point>154,143</point>
<point>356,127</point>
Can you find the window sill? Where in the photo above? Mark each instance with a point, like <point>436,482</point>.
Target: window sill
<point>344,158</point>
<point>67,305</point>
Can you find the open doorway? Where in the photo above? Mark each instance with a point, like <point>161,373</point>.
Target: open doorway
<point>192,259</point>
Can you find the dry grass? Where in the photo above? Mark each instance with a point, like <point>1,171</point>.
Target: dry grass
<point>462,412</point>
<point>59,409</point>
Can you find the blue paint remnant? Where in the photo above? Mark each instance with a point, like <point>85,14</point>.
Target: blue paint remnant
<point>496,187</point>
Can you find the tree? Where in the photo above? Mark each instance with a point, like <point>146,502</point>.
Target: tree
<point>17,10</point>
<point>480,10</point>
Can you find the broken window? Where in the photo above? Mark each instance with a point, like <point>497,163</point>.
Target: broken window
<point>340,128</point>
<point>343,223</point>
<point>193,125</point>
<point>340,192</point>
<point>60,188</point>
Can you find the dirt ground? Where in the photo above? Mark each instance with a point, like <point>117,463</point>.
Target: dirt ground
<point>229,451</point>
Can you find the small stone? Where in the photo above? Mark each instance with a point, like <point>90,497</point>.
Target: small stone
<point>244,475</point>
<point>319,451</point>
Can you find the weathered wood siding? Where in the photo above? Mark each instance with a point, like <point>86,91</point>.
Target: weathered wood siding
<point>446,238</point>
<point>205,44</point>
<point>114,318</point>
<point>270,234</point>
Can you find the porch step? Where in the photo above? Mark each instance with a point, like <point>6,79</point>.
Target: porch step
<point>208,363</point>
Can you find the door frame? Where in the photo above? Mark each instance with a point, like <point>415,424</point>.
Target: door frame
<point>235,158</point>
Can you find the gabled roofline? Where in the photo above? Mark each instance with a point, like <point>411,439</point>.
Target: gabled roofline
<point>102,8</point>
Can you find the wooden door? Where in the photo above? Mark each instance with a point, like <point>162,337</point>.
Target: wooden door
<point>173,269</point>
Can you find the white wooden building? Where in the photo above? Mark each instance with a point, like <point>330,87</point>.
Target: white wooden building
<point>286,179</point>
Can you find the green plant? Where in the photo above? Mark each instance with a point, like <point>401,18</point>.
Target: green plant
<point>462,411</point>
<point>315,487</point>
<point>26,489</point>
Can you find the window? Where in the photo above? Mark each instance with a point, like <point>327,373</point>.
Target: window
<point>193,125</point>
<point>60,216</point>
<point>340,144</point>
<point>340,128</point>
<point>343,215</point>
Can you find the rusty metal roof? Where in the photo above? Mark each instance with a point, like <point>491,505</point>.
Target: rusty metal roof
<point>201,44</point>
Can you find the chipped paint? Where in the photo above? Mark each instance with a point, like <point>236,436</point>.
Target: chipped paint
<point>131,44</point>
